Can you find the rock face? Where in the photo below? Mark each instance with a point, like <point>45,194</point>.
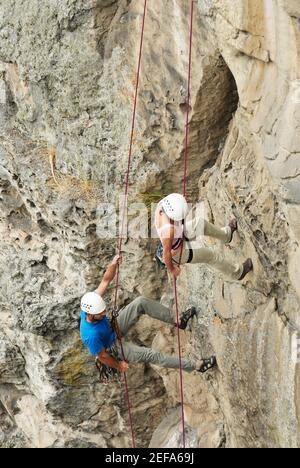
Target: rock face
<point>67,75</point>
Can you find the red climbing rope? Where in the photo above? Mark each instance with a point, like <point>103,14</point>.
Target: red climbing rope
<point>188,100</point>
<point>184,193</point>
<point>126,185</point>
<point>180,361</point>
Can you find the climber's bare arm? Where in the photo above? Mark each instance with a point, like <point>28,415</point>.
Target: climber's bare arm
<point>168,260</point>
<point>108,360</point>
<point>109,275</point>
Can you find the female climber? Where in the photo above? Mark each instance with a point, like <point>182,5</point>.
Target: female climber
<point>176,235</point>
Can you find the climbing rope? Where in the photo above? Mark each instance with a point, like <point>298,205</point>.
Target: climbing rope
<point>122,235</point>
<point>123,217</point>
<point>184,189</point>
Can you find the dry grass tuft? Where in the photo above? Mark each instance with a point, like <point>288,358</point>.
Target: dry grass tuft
<point>68,185</point>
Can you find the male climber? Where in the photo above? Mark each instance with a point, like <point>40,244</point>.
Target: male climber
<point>175,235</point>
<point>101,340</point>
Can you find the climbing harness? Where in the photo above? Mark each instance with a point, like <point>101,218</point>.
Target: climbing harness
<point>114,322</point>
<point>160,253</point>
<point>186,242</point>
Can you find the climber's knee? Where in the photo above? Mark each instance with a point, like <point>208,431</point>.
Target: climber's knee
<point>140,303</point>
<point>141,355</point>
<point>203,255</point>
<point>151,357</point>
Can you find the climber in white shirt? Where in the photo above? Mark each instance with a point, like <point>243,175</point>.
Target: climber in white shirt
<point>176,234</point>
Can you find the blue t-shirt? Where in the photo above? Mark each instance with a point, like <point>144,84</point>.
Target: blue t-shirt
<point>96,336</point>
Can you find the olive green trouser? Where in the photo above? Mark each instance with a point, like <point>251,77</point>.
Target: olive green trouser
<point>199,227</point>
<point>128,318</point>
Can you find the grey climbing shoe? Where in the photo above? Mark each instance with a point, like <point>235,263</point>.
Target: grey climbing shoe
<point>208,364</point>
<point>234,227</point>
<point>247,267</point>
<point>186,317</point>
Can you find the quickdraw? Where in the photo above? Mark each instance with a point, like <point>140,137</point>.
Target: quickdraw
<point>107,374</point>
<point>114,322</point>
<point>159,257</point>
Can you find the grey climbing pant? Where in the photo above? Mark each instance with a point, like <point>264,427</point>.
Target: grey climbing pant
<point>128,317</point>
<point>198,227</point>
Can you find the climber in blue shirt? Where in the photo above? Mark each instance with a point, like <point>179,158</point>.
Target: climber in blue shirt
<point>101,339</point>
<point>98,335</point>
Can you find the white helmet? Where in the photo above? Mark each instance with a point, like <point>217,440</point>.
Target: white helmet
<point>175,206</point>
<point>93,304</point>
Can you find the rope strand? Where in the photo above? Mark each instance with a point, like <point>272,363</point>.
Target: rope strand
<point>180,361</point>
<point>126,189</point>
<point>188,103</point>
<point>184,193</point>
<point>121,237</point>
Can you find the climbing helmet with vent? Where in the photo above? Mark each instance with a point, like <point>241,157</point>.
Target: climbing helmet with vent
<point>93,304</point>
<point>175,206</point>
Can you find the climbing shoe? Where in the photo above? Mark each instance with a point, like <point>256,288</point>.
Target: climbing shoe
<point>234,227</point>
<point>247,267</point>
<point>208,364</point>
<point>186,317</point>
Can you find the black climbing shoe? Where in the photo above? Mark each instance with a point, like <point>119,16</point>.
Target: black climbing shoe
<point>234,227</point>
<point>208,364</point>
<point>186,317</point>
<point>247,267</point>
